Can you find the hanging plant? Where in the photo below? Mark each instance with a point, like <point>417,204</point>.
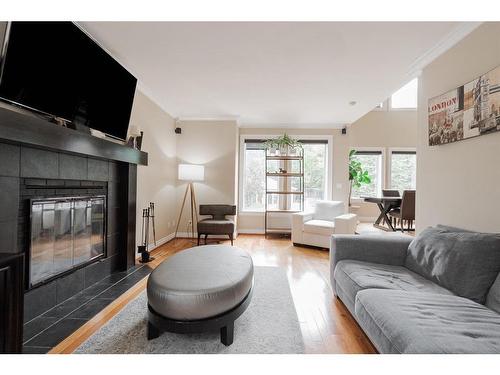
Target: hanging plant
<point>284,144</point>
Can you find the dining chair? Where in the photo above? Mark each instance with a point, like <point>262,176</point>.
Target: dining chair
<point>391,193</point>
<point>407,210</point>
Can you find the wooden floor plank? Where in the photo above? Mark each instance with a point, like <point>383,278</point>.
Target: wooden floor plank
<point>326,325</point>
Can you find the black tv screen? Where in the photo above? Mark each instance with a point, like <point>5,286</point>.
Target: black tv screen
<point>55,68</point>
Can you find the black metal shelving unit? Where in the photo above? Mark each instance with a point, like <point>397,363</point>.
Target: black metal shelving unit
<point>285,191</point>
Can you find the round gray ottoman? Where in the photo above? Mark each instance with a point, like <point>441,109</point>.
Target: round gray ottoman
<point>200,289</point>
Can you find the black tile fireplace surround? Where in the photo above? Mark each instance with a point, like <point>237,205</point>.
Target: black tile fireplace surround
<point>36,158</point>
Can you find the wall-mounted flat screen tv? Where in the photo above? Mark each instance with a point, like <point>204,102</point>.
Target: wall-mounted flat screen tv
<point>56,68</point>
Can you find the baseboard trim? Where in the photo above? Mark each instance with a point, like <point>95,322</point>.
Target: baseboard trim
<point>251,231</point>
<point>161,241</point>
<point>219,237</point>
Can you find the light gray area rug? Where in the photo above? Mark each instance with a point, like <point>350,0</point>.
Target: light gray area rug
<point>269,325</point>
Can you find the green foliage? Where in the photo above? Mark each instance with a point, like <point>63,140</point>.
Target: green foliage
<point>357,176</point>
<point>282,142</point>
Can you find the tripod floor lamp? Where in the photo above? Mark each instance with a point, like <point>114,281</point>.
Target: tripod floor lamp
<point>190,173</point>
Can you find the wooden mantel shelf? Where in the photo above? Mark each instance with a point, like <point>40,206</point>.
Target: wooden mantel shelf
<point>19,128</point>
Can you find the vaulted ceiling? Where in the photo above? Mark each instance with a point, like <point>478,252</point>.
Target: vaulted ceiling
<point>265,74</point>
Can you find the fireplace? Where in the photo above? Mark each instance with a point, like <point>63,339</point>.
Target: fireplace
<point>78,184</point>
<point>66,233</point>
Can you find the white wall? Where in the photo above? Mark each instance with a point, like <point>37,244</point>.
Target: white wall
<point>459,182</point>
<point>213,144</point>
<point>385,130</point>
<point>156,182</point>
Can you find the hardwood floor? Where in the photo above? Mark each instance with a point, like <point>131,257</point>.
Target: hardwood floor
<point>327,326</point>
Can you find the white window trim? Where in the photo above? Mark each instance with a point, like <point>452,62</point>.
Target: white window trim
<point>390,150</point>
<point>243,137</point>
<point>358,200</point>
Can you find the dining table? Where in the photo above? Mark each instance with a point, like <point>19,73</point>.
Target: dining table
<point>384,204</point>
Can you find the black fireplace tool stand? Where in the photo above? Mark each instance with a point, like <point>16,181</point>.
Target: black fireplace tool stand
<point>148,216</point>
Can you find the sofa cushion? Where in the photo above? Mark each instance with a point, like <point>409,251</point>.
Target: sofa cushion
<point>218,211</point>
<point>212,226</point>
<point>321,227</point>
<point>353,276</point>
<point>449,228</point>
<point>467,263</point>
<point>493,297</point>
<point>328,210</point>
<point>416,322</point>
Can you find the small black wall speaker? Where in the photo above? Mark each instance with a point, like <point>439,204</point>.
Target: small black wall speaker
<point>344,131</point>
<point>178,130</point>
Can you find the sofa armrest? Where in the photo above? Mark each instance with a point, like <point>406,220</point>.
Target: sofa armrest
<point>389,250</point>
<point>298,220</point>
<point>346,224</point>
<point>370,248</point>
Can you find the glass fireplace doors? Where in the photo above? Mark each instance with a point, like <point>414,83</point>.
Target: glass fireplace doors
<point>65,233</point>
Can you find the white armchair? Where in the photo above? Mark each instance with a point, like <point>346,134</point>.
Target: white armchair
<point>316,228</point>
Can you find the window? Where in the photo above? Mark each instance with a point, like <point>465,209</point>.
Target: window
<point>254,176</point>
<point>315,172</point>
<point>372,162</point>
<point>254,180</point>
<point>406,96</point>
<point>403,170</point>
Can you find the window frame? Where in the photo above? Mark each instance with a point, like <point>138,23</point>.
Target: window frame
<point>390,151</point>
<point>241,165</point>
<point>382,150</point>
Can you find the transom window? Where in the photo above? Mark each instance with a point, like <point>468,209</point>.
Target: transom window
<point>406,97</point>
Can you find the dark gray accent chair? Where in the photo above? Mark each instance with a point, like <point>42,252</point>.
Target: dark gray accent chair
<point>218,224</point>
<point>437,293</point>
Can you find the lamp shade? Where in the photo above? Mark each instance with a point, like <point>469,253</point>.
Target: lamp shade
<point>191,172</point>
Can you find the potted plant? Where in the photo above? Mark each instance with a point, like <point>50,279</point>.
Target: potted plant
<point>357,176</point>
<point>285,144</point>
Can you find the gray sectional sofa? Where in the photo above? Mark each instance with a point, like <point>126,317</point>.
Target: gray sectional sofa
<point>437,293</point>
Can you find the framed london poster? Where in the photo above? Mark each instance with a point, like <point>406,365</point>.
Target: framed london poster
<point>467,111</point>
<point>446,118</point>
